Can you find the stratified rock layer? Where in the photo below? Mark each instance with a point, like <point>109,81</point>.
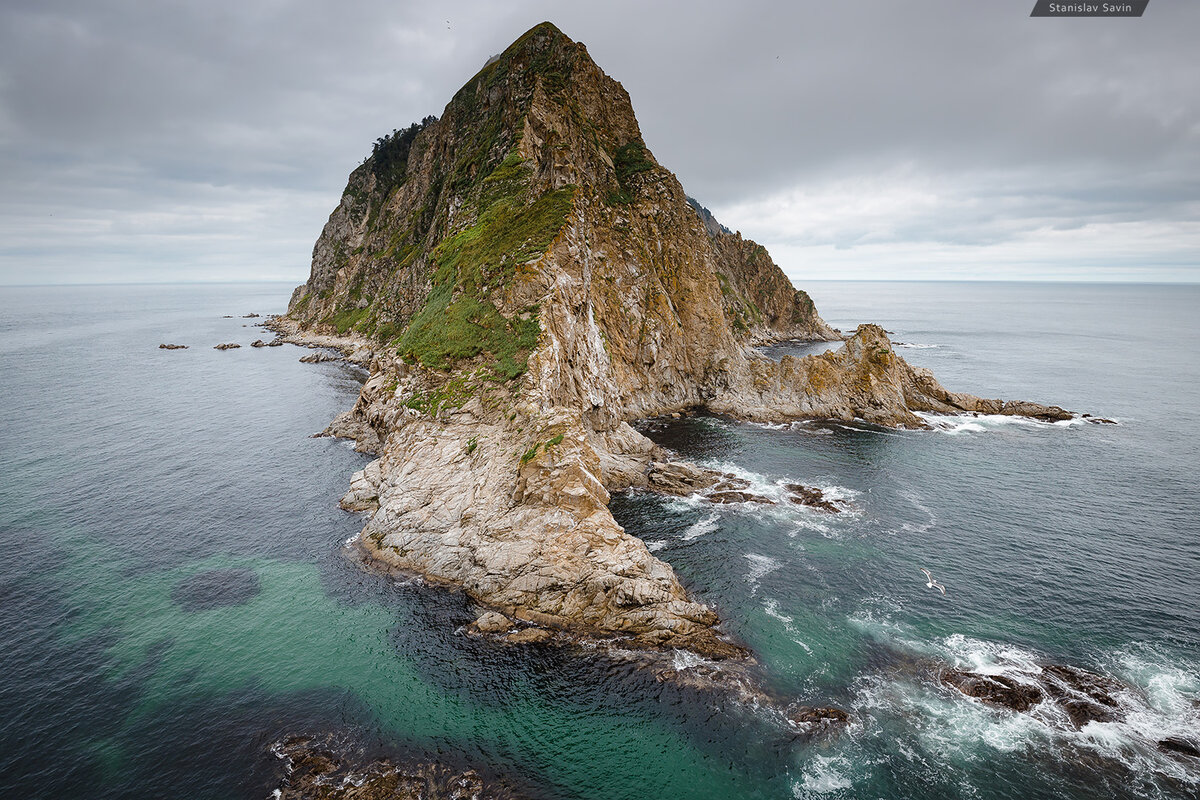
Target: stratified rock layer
<point>523,279</point>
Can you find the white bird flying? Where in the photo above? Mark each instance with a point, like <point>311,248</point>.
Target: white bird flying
<point>932,584</point>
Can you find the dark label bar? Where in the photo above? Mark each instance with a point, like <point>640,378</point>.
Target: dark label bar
<point>1078,8</point>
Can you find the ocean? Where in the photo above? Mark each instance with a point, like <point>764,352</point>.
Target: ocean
<point>176,594</point>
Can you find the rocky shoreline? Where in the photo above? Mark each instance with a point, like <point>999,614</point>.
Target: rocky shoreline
<point>513,507</point>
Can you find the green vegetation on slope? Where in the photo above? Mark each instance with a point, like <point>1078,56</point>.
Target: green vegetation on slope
<point>459,321</point>
<point>471,269</point>
<point>389,156</point>
<point>628,160</point>
<point>345,320</point>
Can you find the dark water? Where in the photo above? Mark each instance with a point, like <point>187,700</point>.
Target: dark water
<point>175,594</point>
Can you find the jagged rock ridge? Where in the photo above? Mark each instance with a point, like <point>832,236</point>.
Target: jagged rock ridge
<point>530,280</point>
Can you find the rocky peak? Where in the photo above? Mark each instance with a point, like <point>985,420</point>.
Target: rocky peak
<point>457,240</point>
<point>530,279</point>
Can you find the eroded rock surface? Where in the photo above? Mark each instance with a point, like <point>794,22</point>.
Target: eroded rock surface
<point>319,771</point>
<point>523,279</point>
<point>1084,696</point>
<point>999,690</point>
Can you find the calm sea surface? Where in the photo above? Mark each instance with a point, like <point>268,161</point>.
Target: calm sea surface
<point>175,594</point>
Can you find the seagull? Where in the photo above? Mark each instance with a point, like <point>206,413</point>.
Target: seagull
<point>932,583</point>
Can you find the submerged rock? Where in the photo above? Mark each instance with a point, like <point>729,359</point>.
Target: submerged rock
<point>678,478</point>
<point>317,356</point>
<point>227,346</point>
<point>1083,696</point>
<point>530,636</point>
<point>216,588</point>
<point>258,343</point>
<point>810,720</point>
<point>995,689</point>
<point>1180,746</point>
<point>812,497</point>
<point>172,347</point>
<point>491,622</point>
<point>730,496</point>
<point>322,772</point>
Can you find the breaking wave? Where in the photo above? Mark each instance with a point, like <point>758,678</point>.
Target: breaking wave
<point>1161,700</point>
<point>954,424</point>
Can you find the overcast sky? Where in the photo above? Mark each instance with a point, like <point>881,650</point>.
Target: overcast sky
<point>159,141</point>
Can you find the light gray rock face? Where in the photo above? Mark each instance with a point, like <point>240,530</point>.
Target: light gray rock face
<point>525,529</point>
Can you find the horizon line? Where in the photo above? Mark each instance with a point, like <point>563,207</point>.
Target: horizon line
<point>291,282</point>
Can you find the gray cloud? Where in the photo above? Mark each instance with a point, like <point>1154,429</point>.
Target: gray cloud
<point>210,140</point>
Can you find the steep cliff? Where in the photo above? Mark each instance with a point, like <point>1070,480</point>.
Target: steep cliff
<point>530,279</point>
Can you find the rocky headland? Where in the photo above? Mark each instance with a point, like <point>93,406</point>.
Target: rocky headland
<point>523,279</point>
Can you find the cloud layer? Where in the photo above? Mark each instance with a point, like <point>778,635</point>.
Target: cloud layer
<point>209,141</point>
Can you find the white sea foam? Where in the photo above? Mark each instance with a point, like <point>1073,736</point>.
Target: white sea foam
<point>954,424</point>
<point>774,426</point>
<point>654,545</point>
<point>760,565</point>
<point>815,427</point>
<point>685,504</point>
<point>919,527</point>
<point>701,528</point>
<point>771,606</point>
<point>686,659</point>
<point>811,523</point>
<point>823,775</point>
<point>990,658</point>
<point>915,346</point>
<point>775,489</point>
<point>1160,703</point>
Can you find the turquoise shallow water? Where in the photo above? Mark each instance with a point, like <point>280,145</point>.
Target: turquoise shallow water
<point>176,595</point>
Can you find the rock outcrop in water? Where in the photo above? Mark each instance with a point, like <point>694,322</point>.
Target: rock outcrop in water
<point>1082,696</point>
<point>523,279</point>
<point>320,771</point>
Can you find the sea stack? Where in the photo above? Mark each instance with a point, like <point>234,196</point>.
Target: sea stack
<point>529,280</point>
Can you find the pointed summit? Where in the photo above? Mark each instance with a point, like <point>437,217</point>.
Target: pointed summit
<point>442,223</point>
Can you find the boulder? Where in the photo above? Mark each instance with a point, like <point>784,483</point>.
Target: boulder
<point>811,497</point>
<point>807,715</point>
<point>738,497</point>
<point>672,477</point>
<point>1179,746</point>
<point>530,636</point>
<point>493,622</point>
<point>998,690</point>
